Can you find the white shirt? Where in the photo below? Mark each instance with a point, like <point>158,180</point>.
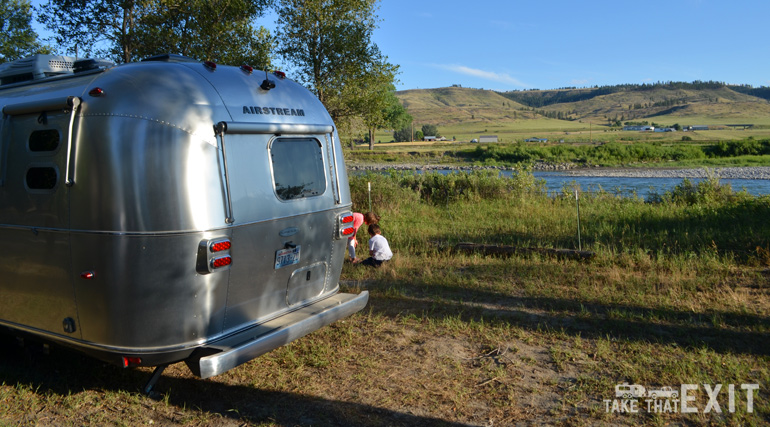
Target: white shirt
<point>379,245</point>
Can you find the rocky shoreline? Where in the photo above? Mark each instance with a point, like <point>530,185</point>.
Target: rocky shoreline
<point>754,172</point>
<point>571,169</point>
<point>538,167</point>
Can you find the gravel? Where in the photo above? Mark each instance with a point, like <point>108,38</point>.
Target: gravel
<point>726,173</point>
<point>756,172</point>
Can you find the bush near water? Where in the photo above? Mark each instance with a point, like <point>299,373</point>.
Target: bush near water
<point>605,154</point>
<point>615,153</point>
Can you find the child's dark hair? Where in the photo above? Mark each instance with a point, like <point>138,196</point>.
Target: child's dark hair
<point>374,229</point>
<point>371,218</point>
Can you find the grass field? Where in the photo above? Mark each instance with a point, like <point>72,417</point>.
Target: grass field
<point>678,293</point>
<point>576,132</point>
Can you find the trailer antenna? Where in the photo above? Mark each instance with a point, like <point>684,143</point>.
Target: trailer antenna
<point>267,84</point>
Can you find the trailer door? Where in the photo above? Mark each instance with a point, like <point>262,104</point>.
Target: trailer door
<point>281,204</point>
<point>37,288</point>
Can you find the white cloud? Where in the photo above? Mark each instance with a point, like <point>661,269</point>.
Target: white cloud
<point>486,75</point>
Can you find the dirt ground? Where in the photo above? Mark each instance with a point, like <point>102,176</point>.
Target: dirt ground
<point>408,359</point>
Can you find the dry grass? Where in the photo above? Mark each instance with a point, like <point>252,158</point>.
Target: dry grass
<point>452,340</point>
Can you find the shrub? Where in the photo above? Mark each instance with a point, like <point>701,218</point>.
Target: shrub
<point>707,191</point>
<point>400,190</point>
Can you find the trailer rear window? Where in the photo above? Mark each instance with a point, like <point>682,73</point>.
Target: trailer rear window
<point>298,168</point>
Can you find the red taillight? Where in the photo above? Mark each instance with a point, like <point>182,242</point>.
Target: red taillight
<point>345,225</point>
<point>213,255</point>
<point>210,65</point>
<point>247,68</point>
<point>87,275</point>
<point>221,262</point>
<point>131,361</point>
<point>96,92</point>
<point>220,246</point>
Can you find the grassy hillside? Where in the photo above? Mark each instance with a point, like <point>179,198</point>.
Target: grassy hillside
<point>718,106</point>
<point>460,105</point>
<point>466,113</point>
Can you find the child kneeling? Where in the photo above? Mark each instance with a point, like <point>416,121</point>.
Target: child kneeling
<point>379,250</point>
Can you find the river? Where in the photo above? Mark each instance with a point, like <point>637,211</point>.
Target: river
<point>641,186</point>
<point>639,182</point>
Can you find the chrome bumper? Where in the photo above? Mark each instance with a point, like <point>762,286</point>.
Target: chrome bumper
<point>278,332</point>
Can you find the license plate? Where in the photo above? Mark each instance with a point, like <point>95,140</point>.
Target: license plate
<point>286,257</point>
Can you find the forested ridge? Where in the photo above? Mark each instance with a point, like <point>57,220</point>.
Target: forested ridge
<point>537,98</point>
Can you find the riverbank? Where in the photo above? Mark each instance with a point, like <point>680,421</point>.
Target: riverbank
<point>570,169</point>
<point>758,172</point>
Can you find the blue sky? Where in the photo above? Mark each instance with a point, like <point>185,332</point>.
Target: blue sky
<point>513,45</point>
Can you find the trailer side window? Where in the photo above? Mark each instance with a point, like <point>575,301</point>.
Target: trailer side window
<point>298,168</point>
<point>44,140</point>
<point>42,178</point>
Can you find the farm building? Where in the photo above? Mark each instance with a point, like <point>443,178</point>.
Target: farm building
<point>639,128</point>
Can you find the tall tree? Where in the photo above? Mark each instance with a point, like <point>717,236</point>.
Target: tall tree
<point>375,101</point>
<point>124,30</point>
<point>217,30</point>
<point>430,130</point>
<point>17,38</point>
<point>403,134</point>
<point>93,28</point>
<point>329,45</point>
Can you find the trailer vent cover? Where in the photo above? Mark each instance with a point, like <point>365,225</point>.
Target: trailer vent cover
<point>35,67</point>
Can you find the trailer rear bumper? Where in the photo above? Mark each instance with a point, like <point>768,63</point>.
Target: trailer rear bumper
<point>275,333</point>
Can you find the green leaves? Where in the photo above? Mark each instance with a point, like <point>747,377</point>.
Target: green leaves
<point>17,38</point>
<point>124,31</point>
<point>328,44</point>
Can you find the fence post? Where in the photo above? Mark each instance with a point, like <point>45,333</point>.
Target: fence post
<point>577,203</point>
<point>370,196</point>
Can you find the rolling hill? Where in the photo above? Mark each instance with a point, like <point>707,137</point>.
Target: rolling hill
<point>711,103</point>
<point>452,105</point>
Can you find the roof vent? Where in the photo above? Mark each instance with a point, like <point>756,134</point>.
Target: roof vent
<point>92,64</point>
<point>170,57</point>
<point>35,67</point>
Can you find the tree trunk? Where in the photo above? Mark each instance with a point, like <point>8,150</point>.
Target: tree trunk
<point>371,139</point>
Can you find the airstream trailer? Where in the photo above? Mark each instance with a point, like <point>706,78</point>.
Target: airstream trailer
<point>168,210</point>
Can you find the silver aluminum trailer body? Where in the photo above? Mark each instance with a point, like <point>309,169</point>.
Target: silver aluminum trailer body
<point>170,210</point>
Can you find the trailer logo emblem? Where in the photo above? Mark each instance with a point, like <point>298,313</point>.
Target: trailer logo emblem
<point>286,232</point>
<point>275,111</point>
